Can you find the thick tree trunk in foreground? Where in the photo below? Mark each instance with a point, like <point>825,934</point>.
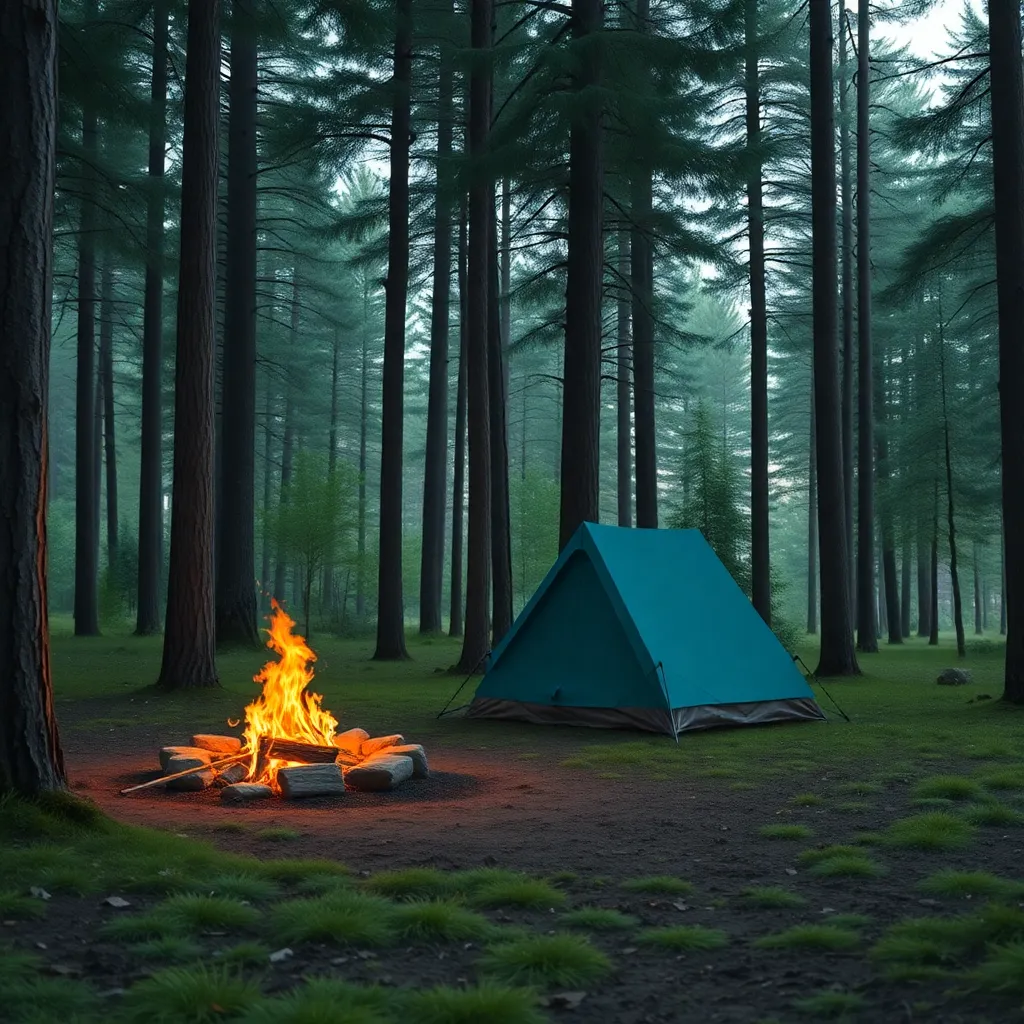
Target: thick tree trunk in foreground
<point>459,471</point>
<point>501,530</point>
<point>760,558</point>
<point>435,477</point>
<point>1007,93</point>
<point>31,760</point>
<point>867,629</point>
<point>86,499</point>
<point>847,297</point>
<point>476,640</point>
<point>1002,597</point>
<point>837,652</point>
<point>109,437</point>
<point>812,528</point>
<point>623,418</point>
<point>581,392</point>
<point>151,514</point>
<point>189,637</point>
<point>642,279</point>
<point>235,548</point>
<point>390,606</point>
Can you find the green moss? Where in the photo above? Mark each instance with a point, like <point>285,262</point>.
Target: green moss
<point>684,938</point>
<point>936,831</point>
<point>947,787</point>
<point>544,960</point>
<point>811,936</point>
<point>665,885</point>
<point>772,897</point>
<point>598,919</point>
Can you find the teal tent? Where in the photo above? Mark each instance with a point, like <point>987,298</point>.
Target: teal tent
<point>641,629</point>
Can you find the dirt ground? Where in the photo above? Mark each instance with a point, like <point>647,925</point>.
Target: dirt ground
<point>491,806</point>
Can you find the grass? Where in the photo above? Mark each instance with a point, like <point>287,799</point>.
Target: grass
<point>40,1000</point>
<point>806,800</point>
<point>245,886</point>
<point>18,907</point>
<point>993,814</point>
<point>1002,970</point>
<point>772,897</point>
<point>948,787</point>
<point>171,949</point>
<point>327,1001</point>
<point>435,921</point>
<point>546,960</point>
<point>495,1004</point>
<point>528,893</point>
<point>684,938</point>
<point>971,883</point>
<point>793,832</point>
<point>830,1005</point>
<point>840,862</point>
<point>245,954</point>
<point>197,912</point>
<point>1005,779</point>
<point>858,788</point>
<point>825,937</point>
<point>193,995</point>
<point>935,831</point>
<point>598,919</point>
<point>278,834</point>
<point>662,885</point>
<point>348,918</point>
<point>410,884</point>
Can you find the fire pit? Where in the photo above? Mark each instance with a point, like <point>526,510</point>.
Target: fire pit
<point>290,745</point>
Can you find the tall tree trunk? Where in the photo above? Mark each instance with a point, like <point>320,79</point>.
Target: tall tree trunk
<point>642,281</point>
<point>235,548</point>
<point>979,627</point>
<point>837,652</point>
<point>435,478</point>
<point>476,639</point>
<point>364,378</point>
<point>958,612</point>
<point>390,606</point>
<point>1007,92</point>
<point>109,438</point>
<point>506,283</point>
<point>86,521</point>
<point>501,532</point>
<point>287,455</point>
<point>906,583</point>
<point>97,452</point>
<point>933,574</point>
<point>151,526</point>
<point>812,528</point>
<point>847,295</point>
<point>327,569</point>
<point>924,585</point>
<point>866,622</point>
<point>581,391</point>
<point>31,760</point>
<point>760,559</point>
<point>459,472</point>
<point>1002,595</point>
<point>890,584</point>
<point>623,419</point>
<point>268,463</point>
<point>189,638</point>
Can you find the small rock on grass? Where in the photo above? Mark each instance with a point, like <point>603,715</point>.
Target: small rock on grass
<point>953,677</point>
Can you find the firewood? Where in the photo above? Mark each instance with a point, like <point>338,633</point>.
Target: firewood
<point>233,773</point>
<point>167,753</point>
<point>380,773</point>
<point>371,746</point>
<point>413,751</point>
<point>163,780</point>
<point>243,792</point>
<point>182,763</point>
<point>311,780</point>
<point>303,753</point>
<point>190,774</point>
<point>351,740</point>
<point>218,744</point>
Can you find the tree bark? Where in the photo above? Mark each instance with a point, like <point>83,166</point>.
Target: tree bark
<point>890,585</point>
<point>1007,97</point>
<point>906,584</point>
<point>151,525</point>
<point>581,391</point>
<point>501,533</point>
<point>109,438</point>
<point>979,628</point>
<point>235,547</point>
<point>760,557</point>
<point>86,514</point>
<point>268,464</point>
<point>866,622</point>
<point>924,586</point>
<point>958,612</point>
<point>812,528</point>
<point>642,280</point>
<point>933,575</point>
<point>364,383</point>
<point>435,478</point>
<point>31,760</point>
<point>189,637</point>
<point>623,417</point>
<point>837,652</point>
<point>847,297</point>
<point>390,606</point>
<point>1002,595</point>
<point>287,454</point>
<point>475,644</point>
<point>506,287</point>
<point>459,473</point>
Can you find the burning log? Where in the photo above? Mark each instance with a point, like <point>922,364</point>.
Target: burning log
<point>291,750</point>
<point>244,792</point>
<point>371,746</point>
<point>379,774</point>
<point>238,772</point>
<point>217,744</point>
<point>311,780</point>
<point>198,753</point>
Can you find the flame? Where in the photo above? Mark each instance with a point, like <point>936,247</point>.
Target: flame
<point>285,708</point>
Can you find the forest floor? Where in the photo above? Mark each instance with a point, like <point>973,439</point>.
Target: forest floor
<point>862,871</point>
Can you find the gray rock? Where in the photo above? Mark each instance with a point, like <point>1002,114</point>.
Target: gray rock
<point>243,792</point>
<point>953,677</point>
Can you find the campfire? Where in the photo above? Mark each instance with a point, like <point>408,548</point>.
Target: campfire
<point>290,744</point>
